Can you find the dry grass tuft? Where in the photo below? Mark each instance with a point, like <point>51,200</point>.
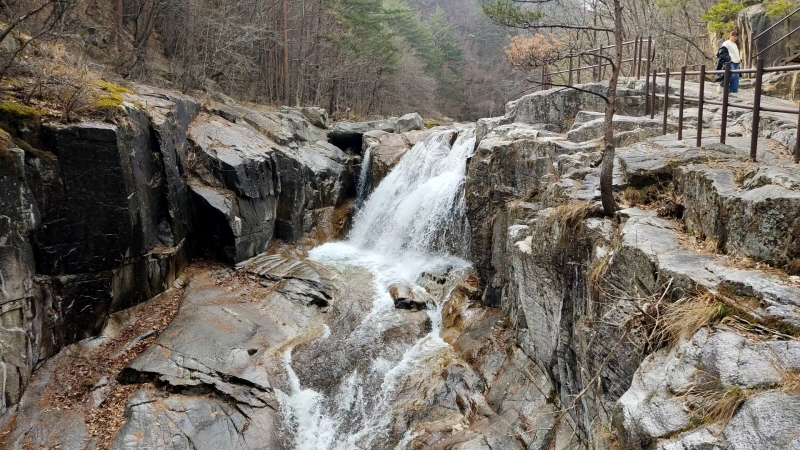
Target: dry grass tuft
<point>790,382</point>
<point>571,215</point>
<point>639,196</point>
<point>715,405</point>
<point>596,275</point>
<point>684,318</point>
<point>792,267</point>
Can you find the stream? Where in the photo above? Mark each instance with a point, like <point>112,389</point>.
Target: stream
<point>357,384</point>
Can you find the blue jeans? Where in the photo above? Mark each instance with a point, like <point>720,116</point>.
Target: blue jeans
<point>734,79</point>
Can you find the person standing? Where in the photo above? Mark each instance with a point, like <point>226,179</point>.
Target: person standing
<point>729,52</point>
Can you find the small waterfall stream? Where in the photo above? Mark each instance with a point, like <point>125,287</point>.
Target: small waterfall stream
<point>412,225</point>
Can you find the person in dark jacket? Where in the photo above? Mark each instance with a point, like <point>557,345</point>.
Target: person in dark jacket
<point>729,52</point>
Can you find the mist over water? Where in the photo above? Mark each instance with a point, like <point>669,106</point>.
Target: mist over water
<point>413,223</point>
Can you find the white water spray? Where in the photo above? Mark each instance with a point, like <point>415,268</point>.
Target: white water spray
<point>413,223</point>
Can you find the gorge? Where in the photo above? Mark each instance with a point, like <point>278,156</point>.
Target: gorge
<point>221,276</point>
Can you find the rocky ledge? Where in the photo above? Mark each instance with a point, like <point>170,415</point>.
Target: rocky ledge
<point>674,324</point>
<point>96,217</point>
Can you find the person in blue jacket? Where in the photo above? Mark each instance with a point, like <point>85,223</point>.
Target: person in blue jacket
<point>729,52</point>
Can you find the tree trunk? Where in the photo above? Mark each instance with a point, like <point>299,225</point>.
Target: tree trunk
<point>607,167</point>
<point>286,91</point>
<point>118,25</point>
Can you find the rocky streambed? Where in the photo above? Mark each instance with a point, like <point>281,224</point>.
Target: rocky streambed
<point>379,286</point>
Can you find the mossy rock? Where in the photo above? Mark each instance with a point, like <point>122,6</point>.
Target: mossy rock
<point>17,112</point>
<point>110,99</point>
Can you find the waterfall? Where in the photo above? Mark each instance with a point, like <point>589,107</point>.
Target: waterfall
<point>362,188</point>
<point>419,207</point>
<point>413,223</point>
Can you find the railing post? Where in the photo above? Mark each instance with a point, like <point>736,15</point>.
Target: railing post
<point>639,58</point>
<point>570,71</point>
<point>666,101</point>
<point>544,78</point>
<point>700,106</point>
<point>599,64</point>
<point>653,99</point>
<point>797,141</point>
<point>633,57</point>
<point>647,93</point>
<point>756,109</point>
<point>726,86</point>
<point>680,103</point>
<point>649,46</point>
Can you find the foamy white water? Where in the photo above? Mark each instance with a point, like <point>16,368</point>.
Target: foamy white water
<point>413,223</point>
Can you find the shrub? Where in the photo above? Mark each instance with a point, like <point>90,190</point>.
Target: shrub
<point>721,17</point>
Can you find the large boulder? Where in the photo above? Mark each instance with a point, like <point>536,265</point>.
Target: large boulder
<point>559,106</point>
<point>236,209</point>
<point>385,151</point>
<point>348,135</point>
<point>627,129</point>
<point>410,122</point>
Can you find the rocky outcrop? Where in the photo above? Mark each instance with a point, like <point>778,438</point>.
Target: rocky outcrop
<point>102,216</point>
<point>410,122</point>
<point>559,107</point>
<point>21,319</point>
<point>753,21</point>
<point>386,150</point>
<point>590,299</point>
<point>627,129</point>
<point>701,372</point>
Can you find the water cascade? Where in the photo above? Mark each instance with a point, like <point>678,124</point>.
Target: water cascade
<point>413,226</point>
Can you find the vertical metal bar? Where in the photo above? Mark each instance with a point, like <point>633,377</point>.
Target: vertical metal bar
<point>653,99</point>
<point>544,79</point>
<point>570,71</point>
<point>599,64</point>
<point>633,57</point>
<point>647,93</point>
<point>680,103</point>
<point>797,141</point>
<point>649,47</point>
<point>666,101</point>
<point>756,109</point>
<point>726,86</point>
<point>639,59</point>
<point>700,106</point>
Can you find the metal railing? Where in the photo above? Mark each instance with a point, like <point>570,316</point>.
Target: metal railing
<point>633,62</point>
<point>752,55</point>
<point>756,107</point>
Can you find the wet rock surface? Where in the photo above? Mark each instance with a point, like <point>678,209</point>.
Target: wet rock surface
<point>103,216</point>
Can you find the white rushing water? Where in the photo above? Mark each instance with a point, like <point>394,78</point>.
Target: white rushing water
<point>413,223</point>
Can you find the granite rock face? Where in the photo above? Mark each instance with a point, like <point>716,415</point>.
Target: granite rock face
<point>581,291</point>
<point>97,217</point>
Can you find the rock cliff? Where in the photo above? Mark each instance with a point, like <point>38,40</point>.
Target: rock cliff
<point>96,217</point>
<point>642,321</point>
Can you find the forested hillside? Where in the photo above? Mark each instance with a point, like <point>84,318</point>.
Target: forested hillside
<point>354,57</point>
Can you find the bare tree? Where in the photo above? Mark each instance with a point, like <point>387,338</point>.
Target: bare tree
<point>44,17</point>
<point>596,16</point>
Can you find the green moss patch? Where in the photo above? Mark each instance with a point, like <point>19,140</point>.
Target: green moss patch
<point>18,112</point>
